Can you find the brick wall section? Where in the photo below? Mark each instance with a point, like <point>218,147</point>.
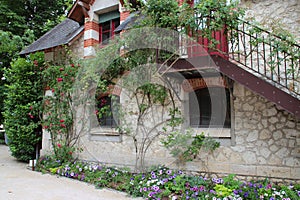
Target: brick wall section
<point>124,15</point>
<point>90,42</point>
<point>91,25</point>
<point>90,28</point>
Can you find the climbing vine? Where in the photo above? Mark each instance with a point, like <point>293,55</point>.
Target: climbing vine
<point>58,109</point>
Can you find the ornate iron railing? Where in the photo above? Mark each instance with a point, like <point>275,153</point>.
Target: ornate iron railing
<point>269,56</point>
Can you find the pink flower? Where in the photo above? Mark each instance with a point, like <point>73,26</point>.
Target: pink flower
<point>61,69</point>
<point>59,79</point>
<point>59,145</point>
<point>53,90</point>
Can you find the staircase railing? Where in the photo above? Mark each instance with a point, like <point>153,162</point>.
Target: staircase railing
<point>269,56</point>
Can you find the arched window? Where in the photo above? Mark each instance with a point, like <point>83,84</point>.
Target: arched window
<point>210,107</point>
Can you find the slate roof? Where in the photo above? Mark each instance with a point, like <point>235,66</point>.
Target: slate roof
<point>61,34</point>
<point>129,22</point>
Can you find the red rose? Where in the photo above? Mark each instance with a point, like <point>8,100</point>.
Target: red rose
<point>59,145</point>
<point>70,152</point>
<point>36,63</point>
<point>72,65</point>
<point>61,121</point>
<point>59,79</point>
<point>53,90</point>
<point>63,125</point>
<point>61,69</point>
<point>46,127</point>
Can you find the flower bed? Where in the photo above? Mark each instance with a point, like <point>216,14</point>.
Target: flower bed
<point>162,183</point>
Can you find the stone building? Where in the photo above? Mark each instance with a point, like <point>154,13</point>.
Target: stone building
<point>259,130</point>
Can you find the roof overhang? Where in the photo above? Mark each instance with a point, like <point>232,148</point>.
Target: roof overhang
<point>79,10</point>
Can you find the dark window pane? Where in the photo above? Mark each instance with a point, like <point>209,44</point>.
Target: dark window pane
<point>106,26</point>
<point>107,119</point>
<point>105,37</point>
<point>210,107</point>
<point>116,23</point>
<point>107,30</point>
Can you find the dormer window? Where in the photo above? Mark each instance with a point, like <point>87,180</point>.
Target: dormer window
<point>108,23</point>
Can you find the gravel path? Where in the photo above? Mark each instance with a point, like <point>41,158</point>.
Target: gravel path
<point>19,183</point>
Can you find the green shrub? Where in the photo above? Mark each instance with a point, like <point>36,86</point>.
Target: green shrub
<point>22,114</point>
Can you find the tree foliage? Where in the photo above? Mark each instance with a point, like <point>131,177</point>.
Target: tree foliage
<point>10,45</point>
<point>37,15</point>
<point>21,23</point>
<point>24,93</point>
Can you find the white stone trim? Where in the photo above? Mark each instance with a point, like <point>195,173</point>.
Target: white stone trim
<point>104,131</point>
<point>89,51</point>
<point>91,34</point>
<point>214,132</point>
<point>105,134</point>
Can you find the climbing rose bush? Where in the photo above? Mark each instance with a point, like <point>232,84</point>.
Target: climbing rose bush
<point>58,109</point>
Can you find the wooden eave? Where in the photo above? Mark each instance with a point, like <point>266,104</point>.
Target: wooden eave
<point>79,11</point>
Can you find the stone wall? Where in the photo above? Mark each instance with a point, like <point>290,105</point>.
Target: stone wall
<point>267,141</point>
<point>277,13</point>
<point>77,48</point>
